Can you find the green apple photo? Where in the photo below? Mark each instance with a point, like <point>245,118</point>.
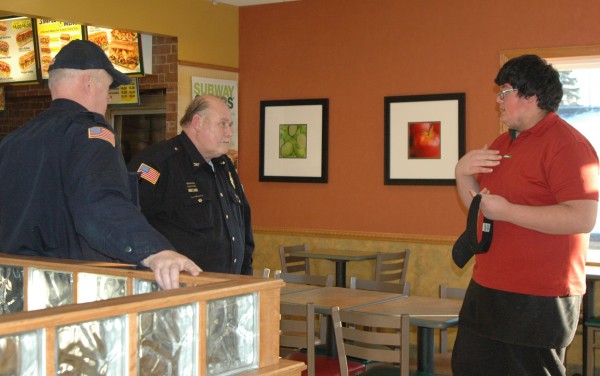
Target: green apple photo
<point>292,140</point>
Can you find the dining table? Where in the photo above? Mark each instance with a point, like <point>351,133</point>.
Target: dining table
<point>326,297</point>
<point>291,288</point>
<point>427,314</point>
<point>340,257</point>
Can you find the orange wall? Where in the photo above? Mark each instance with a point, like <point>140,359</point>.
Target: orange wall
<point>356,52</point>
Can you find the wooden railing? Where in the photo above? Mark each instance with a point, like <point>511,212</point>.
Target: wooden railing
<point>218,323</point>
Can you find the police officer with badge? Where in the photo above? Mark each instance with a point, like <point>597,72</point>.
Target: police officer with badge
<point>191,192</point>
<point>64,186</point>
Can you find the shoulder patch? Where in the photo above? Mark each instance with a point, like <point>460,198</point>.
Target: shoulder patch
<point>148,173</point>
<point>102,134</point>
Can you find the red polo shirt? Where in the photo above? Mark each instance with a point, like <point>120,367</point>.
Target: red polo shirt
<point>545,165</point>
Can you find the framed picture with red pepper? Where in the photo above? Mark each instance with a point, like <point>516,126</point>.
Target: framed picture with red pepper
<point>424,138</point>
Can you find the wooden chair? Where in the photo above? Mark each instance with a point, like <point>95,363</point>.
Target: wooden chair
<point>292,264</point>
<point>592,326</point>
<point>313,280</point>
<point>449,293</point>
<point>355,337</point>
<point>366,284</point>
<point>307,279</point>
<point>392,267</point>
<point>297,333</point>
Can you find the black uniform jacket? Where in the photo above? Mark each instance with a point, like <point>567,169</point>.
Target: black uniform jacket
<point>204,213</point>
<point>65,191</point>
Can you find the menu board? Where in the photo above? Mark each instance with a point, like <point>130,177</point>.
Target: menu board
<point>52,36</point>
<point>123,48</point>
<point>18,63</point>
<point>125,94</point>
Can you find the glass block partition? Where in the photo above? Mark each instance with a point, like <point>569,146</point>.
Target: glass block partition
<point>28,283</point>
<point>11,289</point>
<point>211,327</point>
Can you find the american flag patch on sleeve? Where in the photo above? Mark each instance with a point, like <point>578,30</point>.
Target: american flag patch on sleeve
<point>102,134</point>
<point>148,173</point>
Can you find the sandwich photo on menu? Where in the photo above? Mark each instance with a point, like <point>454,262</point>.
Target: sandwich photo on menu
<point>65,38</point>
<point>24,37</point>
<point>45,50</point>
<point>100,38</point>
<point>123,53</point>
<point>4,48</point>
<point>26,60</point>
<point>124,35</point>
<point>3,28</point>
<point>46,62</point>
<point>4,69</point>
<point>44,40</point>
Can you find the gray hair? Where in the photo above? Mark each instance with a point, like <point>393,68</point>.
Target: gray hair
<point>57,76</point>
<point>199,105</point>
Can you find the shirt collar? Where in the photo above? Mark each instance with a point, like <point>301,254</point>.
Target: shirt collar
<point>68,104</point>
<point>542,125</point>
<point>192,152</point>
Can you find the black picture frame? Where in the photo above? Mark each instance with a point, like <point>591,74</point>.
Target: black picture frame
<point>424,138</point>
<point>300,155</point>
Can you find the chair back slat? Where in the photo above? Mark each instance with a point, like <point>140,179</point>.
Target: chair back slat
<point>373,337</point>
<point>452,292</point>
<point>392,267</point>
<point>306,279</point>
<point>366,284</point>
<point>449,293</point>
<point>297,330</point>
<point>293,264</point>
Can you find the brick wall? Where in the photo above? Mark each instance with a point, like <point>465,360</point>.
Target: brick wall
<point>23,102</point>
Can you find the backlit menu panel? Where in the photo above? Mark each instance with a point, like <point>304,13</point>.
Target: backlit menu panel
<point>18,61</point>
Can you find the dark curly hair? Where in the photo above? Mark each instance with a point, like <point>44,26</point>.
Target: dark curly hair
<point>532,75</point>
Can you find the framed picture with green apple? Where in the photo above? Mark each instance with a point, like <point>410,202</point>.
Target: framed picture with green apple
<point>293,140</point>
<point>424,138</point>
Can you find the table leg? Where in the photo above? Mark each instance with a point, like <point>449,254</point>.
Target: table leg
<point>588,313</point>
<point>340,273</point>
<point>425,349</point>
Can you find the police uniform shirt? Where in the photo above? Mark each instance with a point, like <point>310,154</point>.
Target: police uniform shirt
<point>65,191</point>
<point>200,207</point>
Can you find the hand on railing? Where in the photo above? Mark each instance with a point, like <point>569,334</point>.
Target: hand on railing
<point>167,265</point>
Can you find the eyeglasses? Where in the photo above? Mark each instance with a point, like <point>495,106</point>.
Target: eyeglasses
<point>501,94</point>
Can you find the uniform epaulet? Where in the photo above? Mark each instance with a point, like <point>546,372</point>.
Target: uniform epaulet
<point>172,148</point>
<point>158,153</point>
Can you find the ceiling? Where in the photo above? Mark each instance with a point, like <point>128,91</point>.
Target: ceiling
<point>243,3</point>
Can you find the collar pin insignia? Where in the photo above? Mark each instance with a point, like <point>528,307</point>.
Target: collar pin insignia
<point>231,180</point>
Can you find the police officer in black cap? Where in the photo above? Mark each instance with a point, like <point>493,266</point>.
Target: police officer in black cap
<point>64,187</point>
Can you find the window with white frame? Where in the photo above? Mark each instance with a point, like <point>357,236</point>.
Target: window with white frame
<point>580,106</point>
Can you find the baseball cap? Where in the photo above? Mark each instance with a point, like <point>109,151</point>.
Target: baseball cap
<point>467,244</point>
<point>83,54</point>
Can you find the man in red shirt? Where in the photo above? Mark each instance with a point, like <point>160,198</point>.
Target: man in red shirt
<point>539,184</point>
